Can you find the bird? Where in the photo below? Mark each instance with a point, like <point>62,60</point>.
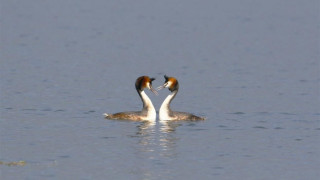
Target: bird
<point>165,112</point>
<point>148,112</point>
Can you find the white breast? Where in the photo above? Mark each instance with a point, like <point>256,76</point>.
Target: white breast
<point>164,109</point>
<point>152,114</point>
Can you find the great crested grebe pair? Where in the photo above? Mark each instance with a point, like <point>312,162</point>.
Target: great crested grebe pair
<point>148,112</point>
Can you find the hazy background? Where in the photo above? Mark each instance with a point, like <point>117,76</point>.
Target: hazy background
<point>250,67</point>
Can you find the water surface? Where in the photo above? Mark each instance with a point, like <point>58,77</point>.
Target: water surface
<point>251,68</point>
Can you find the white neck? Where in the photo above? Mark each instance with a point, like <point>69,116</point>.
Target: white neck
<point>164,112</point>
<point>148,107</point>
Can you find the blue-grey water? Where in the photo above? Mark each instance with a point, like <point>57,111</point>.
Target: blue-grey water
<point>250,67</point>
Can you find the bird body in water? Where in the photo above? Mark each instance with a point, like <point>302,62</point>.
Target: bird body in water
<point>148,112</point>
<point>165,112</point>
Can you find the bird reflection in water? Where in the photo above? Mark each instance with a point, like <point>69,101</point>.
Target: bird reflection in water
<point>168,138</point>
<point>159,137</point>
<point>146,132</point>
<point>169,126</point>
<point>157,144</point>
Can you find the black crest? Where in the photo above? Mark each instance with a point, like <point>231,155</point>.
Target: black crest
<point>166,78</point>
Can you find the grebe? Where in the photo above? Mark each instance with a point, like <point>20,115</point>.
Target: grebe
<point>148,113</point>
<point>165,113</point>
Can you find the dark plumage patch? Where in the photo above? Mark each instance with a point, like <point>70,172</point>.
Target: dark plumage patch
<point>151,79</point>
<point>141,82</point>
<point>166,78</point>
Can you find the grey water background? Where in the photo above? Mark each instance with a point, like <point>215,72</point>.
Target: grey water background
<point>250,67</point>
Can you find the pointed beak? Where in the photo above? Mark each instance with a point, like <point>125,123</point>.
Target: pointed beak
<point>161,87</point>
<point>153,90</point>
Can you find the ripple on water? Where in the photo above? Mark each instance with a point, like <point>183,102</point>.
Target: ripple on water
<point>222,126</point>
<point>199,129</point>
<point>43,110</point>
<point>29,109</point>
<point>64,156</point>
<point>286,113</point>
<point>59,110</point>
<point>238,113</point>
<point>89,112</point>
<point>107,137</point>
<point>263,113</point>
<point>260,127</point>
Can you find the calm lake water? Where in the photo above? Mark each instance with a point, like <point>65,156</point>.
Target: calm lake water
<point>250,67</point>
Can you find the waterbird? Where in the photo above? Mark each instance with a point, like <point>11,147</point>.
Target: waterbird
<point>165,112</point>
<point>148,112</point>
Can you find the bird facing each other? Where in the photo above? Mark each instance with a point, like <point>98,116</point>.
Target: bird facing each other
<point>148,112</point>
<point>165,112</point>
